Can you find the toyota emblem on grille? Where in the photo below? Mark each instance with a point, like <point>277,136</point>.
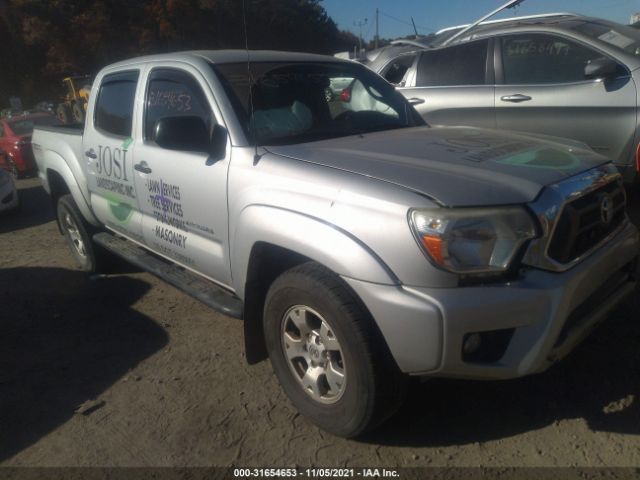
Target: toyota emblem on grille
<point>606,210</point>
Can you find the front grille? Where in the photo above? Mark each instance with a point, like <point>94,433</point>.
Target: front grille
<point>587,221</point>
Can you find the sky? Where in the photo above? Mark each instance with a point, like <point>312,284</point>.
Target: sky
<point>432,15</point>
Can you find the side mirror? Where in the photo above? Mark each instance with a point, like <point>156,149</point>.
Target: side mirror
<point>187,133</point>
<point>600,68</point>
<point>218,148</point>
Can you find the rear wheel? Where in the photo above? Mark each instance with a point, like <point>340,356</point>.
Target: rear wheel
<point>77,233</point>
<point>327,353</point>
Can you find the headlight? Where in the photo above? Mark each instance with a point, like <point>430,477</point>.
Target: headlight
<point>472,240</point>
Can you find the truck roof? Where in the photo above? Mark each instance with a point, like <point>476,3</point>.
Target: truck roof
<point>230,56</point>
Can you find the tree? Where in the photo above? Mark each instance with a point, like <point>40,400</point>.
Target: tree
<point>47,40</point>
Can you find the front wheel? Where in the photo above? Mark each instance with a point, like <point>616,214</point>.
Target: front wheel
<point>76,232</point>
<point>327,353</point>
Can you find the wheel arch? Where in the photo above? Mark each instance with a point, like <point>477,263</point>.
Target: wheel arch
<point>60,180</point>
<point>287,239</point>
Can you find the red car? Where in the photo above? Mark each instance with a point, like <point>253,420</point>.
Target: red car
<point>15,141</point>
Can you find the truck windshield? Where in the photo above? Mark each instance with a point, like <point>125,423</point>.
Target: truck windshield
<point>302,102</point>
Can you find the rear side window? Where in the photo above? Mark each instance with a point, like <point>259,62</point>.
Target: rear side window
<point>114,107</point>
<point>542,59</point>
<point>174,93</point>
<point>460,65</point>
<point>397,70</point>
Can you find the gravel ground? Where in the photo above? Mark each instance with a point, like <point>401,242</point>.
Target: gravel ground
<point>124,370</point>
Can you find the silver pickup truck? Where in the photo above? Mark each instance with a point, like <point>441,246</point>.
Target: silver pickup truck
<point>359,245</point>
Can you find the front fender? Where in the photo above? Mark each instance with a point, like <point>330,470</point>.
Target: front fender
<point>324,243</point>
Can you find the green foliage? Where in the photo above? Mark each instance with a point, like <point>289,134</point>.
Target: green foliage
<point>45,40</point>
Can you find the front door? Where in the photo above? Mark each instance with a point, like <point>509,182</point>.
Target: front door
<point>108,155</point>
<point>544,90</point>
<point>183,194</point>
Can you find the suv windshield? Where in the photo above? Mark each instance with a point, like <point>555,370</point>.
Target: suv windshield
<point>302,102</point>
<point>622,37</point>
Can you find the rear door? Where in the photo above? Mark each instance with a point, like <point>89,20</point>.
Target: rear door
<point>183,192</point>
<point>454,85</point>
<point>543,90</point>
<point>108,153</point>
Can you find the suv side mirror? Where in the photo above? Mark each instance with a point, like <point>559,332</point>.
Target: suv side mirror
<point>600,68</point>
<point>188,133</point>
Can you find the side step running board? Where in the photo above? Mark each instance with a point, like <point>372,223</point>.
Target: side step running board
<point>190,283</point>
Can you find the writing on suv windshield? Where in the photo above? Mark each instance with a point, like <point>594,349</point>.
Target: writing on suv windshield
<point>302,102</point>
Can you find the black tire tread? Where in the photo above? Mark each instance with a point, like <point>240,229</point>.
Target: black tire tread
<point>390,383</point>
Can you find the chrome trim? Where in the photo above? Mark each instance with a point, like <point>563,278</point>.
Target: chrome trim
<point>549,207</point>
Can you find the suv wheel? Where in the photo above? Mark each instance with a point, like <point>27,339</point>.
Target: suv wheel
<point>327,353</point>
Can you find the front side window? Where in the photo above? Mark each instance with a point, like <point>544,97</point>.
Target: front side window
<point>303,102</point>
<point>114,106</point>
<point>174,93</point>
<point>543,59</point>
<point>459,65</point>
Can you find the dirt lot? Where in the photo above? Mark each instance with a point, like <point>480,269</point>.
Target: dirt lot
<point>124,370</point>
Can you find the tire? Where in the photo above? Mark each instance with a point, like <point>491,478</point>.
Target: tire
<point>77,233</point>
<point>63,113</point>
<point>78,113</point>
<point>310,312</point>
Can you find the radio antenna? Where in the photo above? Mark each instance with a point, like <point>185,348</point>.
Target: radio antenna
<point>256,156</point>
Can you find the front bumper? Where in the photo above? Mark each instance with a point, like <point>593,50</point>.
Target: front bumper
<point>547,314</point>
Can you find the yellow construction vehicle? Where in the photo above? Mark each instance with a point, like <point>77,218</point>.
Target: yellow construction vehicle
<point>75,100</point>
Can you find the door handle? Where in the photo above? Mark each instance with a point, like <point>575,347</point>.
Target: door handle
<point>517,98</point>
<point>416,101</point>
<point>142,167</point>
<point>91,153</point>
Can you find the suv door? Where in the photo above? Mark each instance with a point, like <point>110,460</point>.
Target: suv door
<point>454,85</point>
<point>183,192</point>
<point>544,90</point>
<point>108,151</point>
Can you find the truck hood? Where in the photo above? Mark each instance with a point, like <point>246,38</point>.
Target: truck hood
<point>455,166</point>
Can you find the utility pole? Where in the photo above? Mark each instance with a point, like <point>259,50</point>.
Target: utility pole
<point>377,26</point>
<point>360,24</point>
<point>414,28</point>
